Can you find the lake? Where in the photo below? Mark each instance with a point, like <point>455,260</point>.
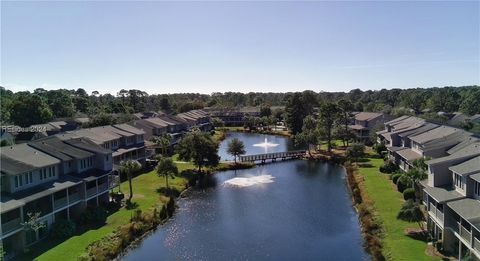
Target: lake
<point>290,210</point>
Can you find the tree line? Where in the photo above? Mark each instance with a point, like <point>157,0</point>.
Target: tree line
<point>40,106</point>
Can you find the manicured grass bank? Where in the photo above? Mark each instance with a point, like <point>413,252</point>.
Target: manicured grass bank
<point>387,202</point>
<point>145,195</point>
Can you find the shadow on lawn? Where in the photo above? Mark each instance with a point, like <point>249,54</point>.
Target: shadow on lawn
<point>49,242</point>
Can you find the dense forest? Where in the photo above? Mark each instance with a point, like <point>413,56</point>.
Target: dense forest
<point>40,106</point>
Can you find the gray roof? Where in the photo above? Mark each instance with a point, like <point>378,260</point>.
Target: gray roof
<point>367,116</point>
<point>88,145</point>
<point>468,209</point>
<point>394,148</point>
<point>475,177</point>
<point>156,122</point>
<point>409,154</point>
<point>22,155</point>
<point>463,144</point>
<point>115,131</point>
<point>443,194</point>
<point>126,127</point>
<point>434,134</point>
<point>54,146</point>
<point>11,166</point>
<point>396,120</point>
<point>467,167</point>
<point>471,150</point>
<point>416,129</point>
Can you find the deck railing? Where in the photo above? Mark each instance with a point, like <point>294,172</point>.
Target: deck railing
<point>465,234</point>
<point>272,156</point>
<point>11,225</point>
<point>60,203</point>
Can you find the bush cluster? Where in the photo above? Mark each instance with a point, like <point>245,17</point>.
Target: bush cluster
<point>63,228</point>
<point>389,167</point>
<point>409,193</point>
<point>403,183</point>
<point>112,245</point>
<point>395,177</point>
<point>93,215</point>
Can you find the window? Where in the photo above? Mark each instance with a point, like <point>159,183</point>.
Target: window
<point>20,180</point>
<point>16,181</point>
<point>30,175</point>
<point>458,181</point>
<point>50,172</point>
<point>477,188</point>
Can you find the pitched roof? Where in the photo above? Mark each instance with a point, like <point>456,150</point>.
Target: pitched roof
<point>126,127</point>
<point>463,144</point>
<point>409,154</point>
<point>366,116</point>
<point>468,209</point>
<point>467,167</point>
<point>416,130</point>
<point>401,118</point>
<point>54,146</point>
<point>442,194</point>
<point>87,144</point>
<point>22,155</point>
<point>475,177</point>
<point>433,134</point>
<point>471,150</point>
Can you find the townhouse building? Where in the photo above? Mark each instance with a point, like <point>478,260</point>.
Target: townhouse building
<point>365,122</point>
<point>56,178</point>
<point>451,193</point>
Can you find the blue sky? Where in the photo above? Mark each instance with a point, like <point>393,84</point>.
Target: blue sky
<point>169,47</point>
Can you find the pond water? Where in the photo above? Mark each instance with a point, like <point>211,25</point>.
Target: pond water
<point>291,210</point>
<point>251,139</point>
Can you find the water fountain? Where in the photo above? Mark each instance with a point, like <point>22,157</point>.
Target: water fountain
<point>266,144</point>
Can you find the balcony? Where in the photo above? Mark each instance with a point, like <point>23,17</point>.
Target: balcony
<point>74,197</point>
<point>434,212</point>
<point>476,244</point>
<point>60,203</point>
<point>11,225</point>
<point>91,192</point>
<point>465,234</point>
<point>102,187</point>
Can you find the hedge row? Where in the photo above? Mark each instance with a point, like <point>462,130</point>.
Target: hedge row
<point>112,245</point>
<point>371,225</point>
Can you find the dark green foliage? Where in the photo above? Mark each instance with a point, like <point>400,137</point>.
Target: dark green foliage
<point>403,183</point>
<point>395,177</point>
<point>326,122</point>
<point>389,167</point>
<point>380,148</point>
<point>236,148</point>
<point>93,215</point>
<point>63,228</point>
<point>28,109</point>
<point>355,151</point>
<point>409,193</point>
<point>167,168</point>
<point>411,212</point>
<point>309,134</point>
<point>199,148</point>
<point>295,112</point>
<point>471,101</point>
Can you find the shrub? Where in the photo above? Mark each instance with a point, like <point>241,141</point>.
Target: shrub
<point>389,167</point>
<point>409,193</point>
<point>63,228</point>
<point>93,215</point>
<point>379,148</point>
<point>403,183</point>
<point>395,177</point>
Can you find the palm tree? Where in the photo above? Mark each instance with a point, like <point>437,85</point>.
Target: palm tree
<point>163,142</point>
<point>166,167</point>
<point>236,148</point>
<point>411,212</point>
<point>129,167</point>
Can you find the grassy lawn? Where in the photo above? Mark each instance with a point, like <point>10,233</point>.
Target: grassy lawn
<point>144,194</point>
<point>388,201</point>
